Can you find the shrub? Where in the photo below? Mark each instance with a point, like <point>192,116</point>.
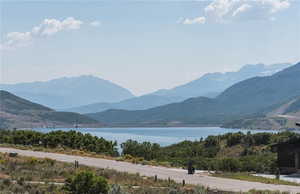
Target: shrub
<point>229,164</point>
<point>146,150</point>
<point>6,182</point>
<point>116,189</point>
<point>234,139</point>
<point>50,161</point>
<point>86,182</point>
<point>21,181</point>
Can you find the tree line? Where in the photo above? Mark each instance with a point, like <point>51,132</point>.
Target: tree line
<point>69,139</point>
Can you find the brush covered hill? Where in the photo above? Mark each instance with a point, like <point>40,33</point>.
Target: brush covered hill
<point>16,112</point>
<point>250,97</point>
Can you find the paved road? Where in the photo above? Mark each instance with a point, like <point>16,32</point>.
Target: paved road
<point>163,173</point>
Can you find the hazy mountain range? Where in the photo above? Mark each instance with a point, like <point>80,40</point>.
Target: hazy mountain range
<point>269,102</point>
<point>136,103</point>
<point>69,92</point>
<point>254,96</point>
<point>209,85</point>
<point>20,113</point>
<point>212,84</point>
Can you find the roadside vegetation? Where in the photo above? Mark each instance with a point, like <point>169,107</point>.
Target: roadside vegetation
<point>45,176</point>
<point>235,155</point>
<point>59,139</point>
<point>232,152</point>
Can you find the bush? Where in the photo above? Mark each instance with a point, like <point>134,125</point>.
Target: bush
<point>6,182</point>
<point>146,150</point>
<point>234,139</point>
<point>86,182</point>
<point>229,164</point>
<point>116,189</point>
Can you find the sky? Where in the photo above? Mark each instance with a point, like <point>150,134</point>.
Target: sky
<point>144,45</point>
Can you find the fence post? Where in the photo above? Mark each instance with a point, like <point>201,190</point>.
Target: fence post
<point>76,164</point>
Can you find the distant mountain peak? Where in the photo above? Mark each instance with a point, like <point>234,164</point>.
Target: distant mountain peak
<point>211,84</point>
<point>69,92</point>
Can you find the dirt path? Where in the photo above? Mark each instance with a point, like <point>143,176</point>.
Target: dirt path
<point>163,173</point>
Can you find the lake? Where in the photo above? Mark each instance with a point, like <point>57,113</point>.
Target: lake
<point>162,136</point>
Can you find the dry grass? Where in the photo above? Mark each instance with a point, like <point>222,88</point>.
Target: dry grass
<point>251,178</point>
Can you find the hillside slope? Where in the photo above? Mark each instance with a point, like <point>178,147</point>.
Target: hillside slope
<point>69,92</point>
<point>16,112</point>
<point>199,110</point>
<point>243,99</point>
<point>259,93</point>
<point>283,116</point>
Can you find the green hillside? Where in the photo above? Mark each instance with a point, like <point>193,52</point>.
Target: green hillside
<point>14,104</point>
<point>16,112</point>
<point>200,110</point>
<point>259,93</point>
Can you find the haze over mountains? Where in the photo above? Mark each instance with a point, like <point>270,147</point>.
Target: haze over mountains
<point>258,102</point>
<point>69,92</point>
<point>212,84</point>
<point>253,96</point>
<point>136,103</point>
<point>21,113</point>
<point>209,85</point>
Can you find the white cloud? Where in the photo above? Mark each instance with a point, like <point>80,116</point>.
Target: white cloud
<point>198,20</point>
<point>52,26</point>
<point>222,11</point>
<point>16,39</point>
<point>241,9</point>
<point>277,5</point>
<point>95,23</point>
<point>47,27</point>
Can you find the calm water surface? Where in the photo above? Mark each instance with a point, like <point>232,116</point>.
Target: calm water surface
<point>162,136</point>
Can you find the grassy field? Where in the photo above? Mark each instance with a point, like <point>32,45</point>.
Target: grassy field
<point>252,178</point>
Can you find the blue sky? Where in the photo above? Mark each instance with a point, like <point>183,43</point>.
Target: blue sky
<point>144,45</point>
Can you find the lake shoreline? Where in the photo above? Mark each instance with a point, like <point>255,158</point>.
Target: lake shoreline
<point>162,135</point>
